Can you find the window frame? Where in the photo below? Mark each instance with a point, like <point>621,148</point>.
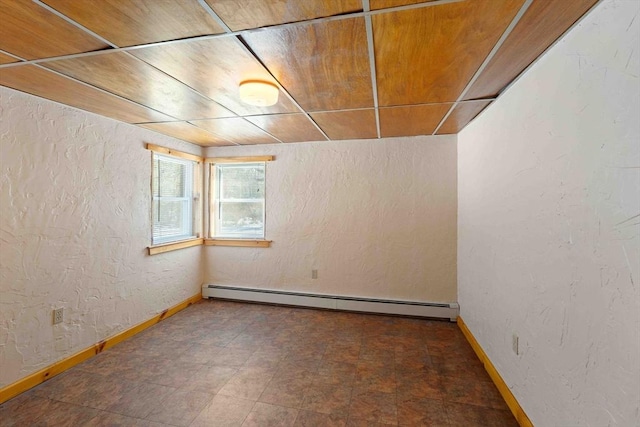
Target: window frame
<point>210,224</point>
<point>220,199</point>
<point>186,202</point>
<point>183,241</point>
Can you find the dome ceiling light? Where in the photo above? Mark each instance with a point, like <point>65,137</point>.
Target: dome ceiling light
<point>258,93</point>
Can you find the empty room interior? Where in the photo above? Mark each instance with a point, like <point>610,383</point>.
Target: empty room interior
<point>320,213</point>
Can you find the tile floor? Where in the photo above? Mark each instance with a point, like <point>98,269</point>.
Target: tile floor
<point>221,363</point>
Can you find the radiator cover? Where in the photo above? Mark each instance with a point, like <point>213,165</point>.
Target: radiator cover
<point>334,302</point>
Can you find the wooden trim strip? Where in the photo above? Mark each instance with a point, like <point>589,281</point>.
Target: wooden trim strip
<point>51,371</point>
<point>168,247</point>
<point>238,242</point>
<point>504,390</point>
<point>239,159</point>
<point>174,153</point>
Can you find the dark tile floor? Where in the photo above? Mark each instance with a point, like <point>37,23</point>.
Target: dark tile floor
<point>221,363</point>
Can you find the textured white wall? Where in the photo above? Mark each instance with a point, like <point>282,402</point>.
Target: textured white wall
<point>548,227</point>
<point>74,225</point>
<point>376,218</point>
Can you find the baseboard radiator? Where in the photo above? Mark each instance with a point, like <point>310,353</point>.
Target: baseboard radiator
<point>334,302</point>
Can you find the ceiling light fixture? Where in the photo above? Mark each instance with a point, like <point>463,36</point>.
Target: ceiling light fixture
<point>258,93</point>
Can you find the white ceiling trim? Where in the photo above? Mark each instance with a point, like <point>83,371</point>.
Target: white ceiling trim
<point>237,33</point>
<point>372,62</point>
<point>215,16</point>
<point>487,60</point>
<point>228,30</point>
<point>74,23</point>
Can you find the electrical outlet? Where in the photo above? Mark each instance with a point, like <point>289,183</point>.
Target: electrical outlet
<point>58,314</point>
<point>515,344</point>
<point>314,274</point>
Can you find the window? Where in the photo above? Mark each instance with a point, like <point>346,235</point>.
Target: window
<point>235,194</point>
<point>174,205</point>
<point>238,210</point>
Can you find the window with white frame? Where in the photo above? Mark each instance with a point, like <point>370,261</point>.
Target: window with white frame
<point>238,208</point>
<point>174,205</point>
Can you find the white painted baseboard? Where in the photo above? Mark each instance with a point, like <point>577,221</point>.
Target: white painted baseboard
<point>334,302</point>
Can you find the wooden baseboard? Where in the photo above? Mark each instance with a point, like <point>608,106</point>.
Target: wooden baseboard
<point>508,397</point>
<point>51,371</point>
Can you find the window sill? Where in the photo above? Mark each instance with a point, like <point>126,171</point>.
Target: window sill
<point>238,242</point>
<point>173,246</point>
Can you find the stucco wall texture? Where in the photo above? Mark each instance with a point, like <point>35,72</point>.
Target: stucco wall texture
<point>548,227</point>
<point>74,225</point>
<point>376,218</point>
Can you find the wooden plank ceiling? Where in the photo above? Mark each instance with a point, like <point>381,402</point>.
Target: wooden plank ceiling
<point>345,69</point>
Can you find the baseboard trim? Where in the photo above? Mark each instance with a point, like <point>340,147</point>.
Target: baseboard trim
<point>334,302</point>
<point>60,366</point>
<point>504,390</point>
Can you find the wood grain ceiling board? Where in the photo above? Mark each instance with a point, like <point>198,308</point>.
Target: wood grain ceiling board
<point>133,79</point>
<point>215,68</point>
<point>236,130</point>
<point>46,84</point>
<point>244,14</point>
<point>383,4</point>
<point>538,28</point>
<point>411,120</point>
<point>187,132</point>
<point>288,127</point>
<point>324,66</point>
<point>462,115</point>
<point>134,22</point>
<point>6,59</point>
<point>428,55</point>
<point>355,124</point>
<point>32,32</point>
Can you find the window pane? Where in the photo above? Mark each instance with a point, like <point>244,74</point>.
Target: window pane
<point>169,219</point>
<point>172,205</point>
<point>169,178</point>
<point>242,219</point>
<point>242,182</point>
